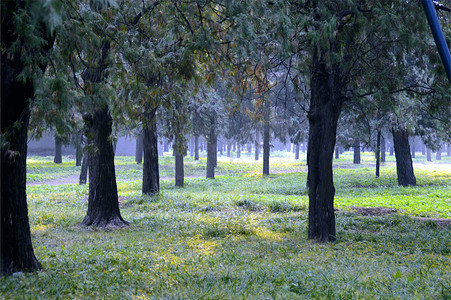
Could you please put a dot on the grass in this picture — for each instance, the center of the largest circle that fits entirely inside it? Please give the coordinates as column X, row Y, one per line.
column 241, row 236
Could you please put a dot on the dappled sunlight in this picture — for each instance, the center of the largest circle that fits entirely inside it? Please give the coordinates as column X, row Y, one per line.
column 202, row 246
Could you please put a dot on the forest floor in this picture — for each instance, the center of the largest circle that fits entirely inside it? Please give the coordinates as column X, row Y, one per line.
column 241, row 235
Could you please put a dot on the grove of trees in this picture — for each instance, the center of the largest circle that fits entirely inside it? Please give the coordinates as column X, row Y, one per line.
column 228, row 72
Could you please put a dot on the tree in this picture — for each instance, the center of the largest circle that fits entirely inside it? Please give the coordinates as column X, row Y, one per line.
column 26, row 39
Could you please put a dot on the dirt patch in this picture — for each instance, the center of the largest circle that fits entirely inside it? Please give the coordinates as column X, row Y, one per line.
column 374, row 211
column 440, row 222
column 382, row 211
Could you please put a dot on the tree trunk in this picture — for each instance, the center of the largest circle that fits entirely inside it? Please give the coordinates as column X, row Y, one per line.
column 238, row 150
column 196, row 147
column 58, row 158
column 212, row 142
column 404, row 166
column 103, row 205
column 423, row 149
column 357, row 151
column 179, row 170
column 428, row 154
column 84, row 168
column 392, row 148
column 412, row 147
column 16, row 249
column 229, row 148
column 296, row 152
column 139, row 149
column 448, row 150
column 151, row 171
column 378, row 153
column 249, row 147
column 165, row 145
column 337, row 152
column 325, row 107
column 288, row 147
column 382, row 148
column 78, row 153
column 257, row 145
column 266, row 146
column 438, row 156
column 191, row 146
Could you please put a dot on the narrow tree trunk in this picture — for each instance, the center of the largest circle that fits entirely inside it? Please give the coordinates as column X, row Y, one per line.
column 238, row 151
column 165, row 145
column 191, row 146
column 382, row 148
column 78, row 156
column 412, row 147
column 428, row 154
column 103, row 205
column 448, row 150
column 423, row 149
column 58, row 158
column 337, row 152
column 196, row 147
column 229, row 148
column 139, row 149
column 266, row 147
column 234, row 146
column 179, row 168
column 356, row 151
column 84, row 168
column 325, row 107
column 151, row 171
column 296, row 151
column 212, row 144
column 378, row 153
column 392, row 148
column 438, row 156
column 249, row 147
column 404, row 166
column 257, row 145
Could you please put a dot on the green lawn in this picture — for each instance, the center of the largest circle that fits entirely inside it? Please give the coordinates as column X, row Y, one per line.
column 241, row 236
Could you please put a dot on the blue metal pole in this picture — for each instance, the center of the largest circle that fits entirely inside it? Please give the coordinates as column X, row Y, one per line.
column 438, row 36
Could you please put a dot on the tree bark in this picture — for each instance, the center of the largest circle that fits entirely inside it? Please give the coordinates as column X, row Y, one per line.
column 412, row 147
column 84, row 168
column 229, row 147
column 257, row 145
column 139, row 149
column 337, row 152
column 325, row 108
column 404, row 166
column 196, row 147
column 58, row 158
column 16, row 250
column 392, row 148
column 212, row 142
column 238, row 150
column 296, row 151
column 165, row 145
column 179, row 170
column 438, row 155
column 356, row 151
column 151, row 171
column 103, row 205
column 378, row 153
column 266, row 145
column 382, row 148
column 428, row 154
column 78, row 155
